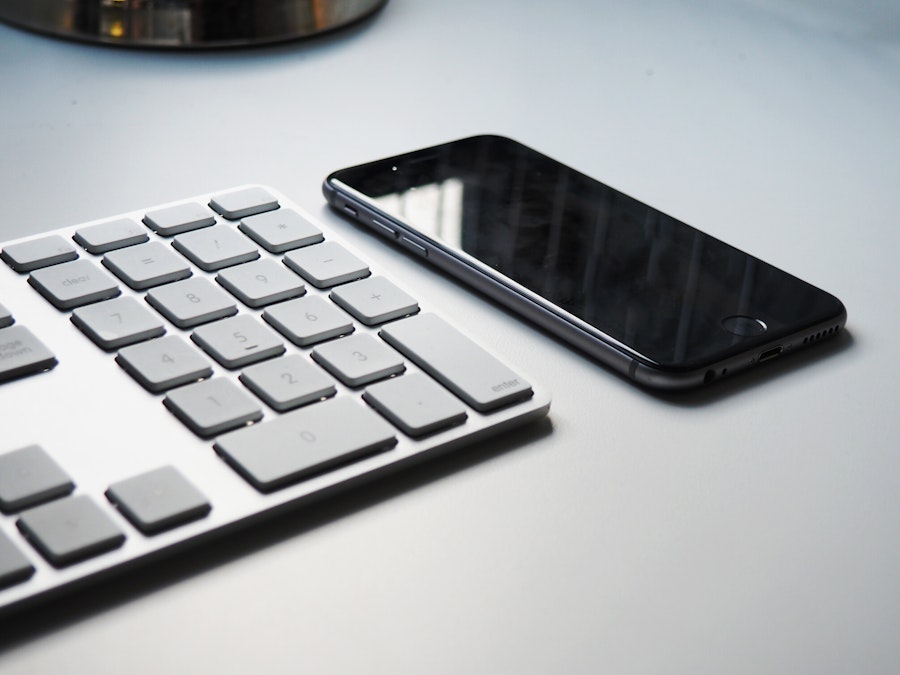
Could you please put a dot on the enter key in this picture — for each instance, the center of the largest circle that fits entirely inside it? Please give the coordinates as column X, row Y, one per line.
column 477, row 377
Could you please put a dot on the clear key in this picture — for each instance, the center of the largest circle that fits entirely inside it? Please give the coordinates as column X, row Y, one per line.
column 73, row 284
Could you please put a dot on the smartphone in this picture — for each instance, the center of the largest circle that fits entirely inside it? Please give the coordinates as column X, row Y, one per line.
column 642, row 292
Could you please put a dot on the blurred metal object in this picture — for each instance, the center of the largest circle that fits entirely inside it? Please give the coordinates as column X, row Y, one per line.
column 185, row 23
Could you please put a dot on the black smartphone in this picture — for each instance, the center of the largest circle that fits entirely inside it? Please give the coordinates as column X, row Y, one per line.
column 648, row 295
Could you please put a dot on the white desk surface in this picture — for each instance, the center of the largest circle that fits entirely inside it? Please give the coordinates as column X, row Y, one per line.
column 754, row 528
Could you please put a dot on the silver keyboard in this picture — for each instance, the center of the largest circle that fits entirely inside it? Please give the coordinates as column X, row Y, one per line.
column 170, row 373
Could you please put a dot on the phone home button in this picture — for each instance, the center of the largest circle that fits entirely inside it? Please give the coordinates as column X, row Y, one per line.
column 745, row 326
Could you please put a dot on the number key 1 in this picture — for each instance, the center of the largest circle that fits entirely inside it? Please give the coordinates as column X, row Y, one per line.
column 213, row 406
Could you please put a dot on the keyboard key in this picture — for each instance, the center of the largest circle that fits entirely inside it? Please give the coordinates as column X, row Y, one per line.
column 21, row 354
column 213, row 406
column 245, row 202
column 158, row 500
column 326, row 264
column 37, row 253
column 177, row 219
column 191, row 302
column 6, row 317
column 238, row 341
column 164, row 363
column 305, row 442
column 281, row 230
column 374, row 300
column 288, row 382
column 73, row 284
column 358, row 359
column 109, row 236
column 216, row 247
column 147, row 265
column 415, row 403
column 14, row 566
column 457, row 362
column 306, row 321
column 115, row 323
column 69, row 530
column 261, row 283
column 29, row 476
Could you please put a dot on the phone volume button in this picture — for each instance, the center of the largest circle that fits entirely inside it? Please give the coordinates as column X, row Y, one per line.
column 414, row 246
column 384, row 229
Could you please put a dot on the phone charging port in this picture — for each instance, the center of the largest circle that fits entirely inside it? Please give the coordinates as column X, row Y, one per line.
column 771, row 353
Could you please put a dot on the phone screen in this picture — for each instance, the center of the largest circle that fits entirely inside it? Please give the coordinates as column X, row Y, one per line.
column 673, row 295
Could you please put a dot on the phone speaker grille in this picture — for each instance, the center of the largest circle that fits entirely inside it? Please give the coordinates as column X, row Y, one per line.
column 821, row 334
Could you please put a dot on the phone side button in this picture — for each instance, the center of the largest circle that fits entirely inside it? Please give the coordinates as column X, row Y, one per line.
column 386, row 230
column 415, row 247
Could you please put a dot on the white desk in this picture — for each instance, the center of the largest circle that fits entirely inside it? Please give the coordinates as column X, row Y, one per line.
column 750, row 529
